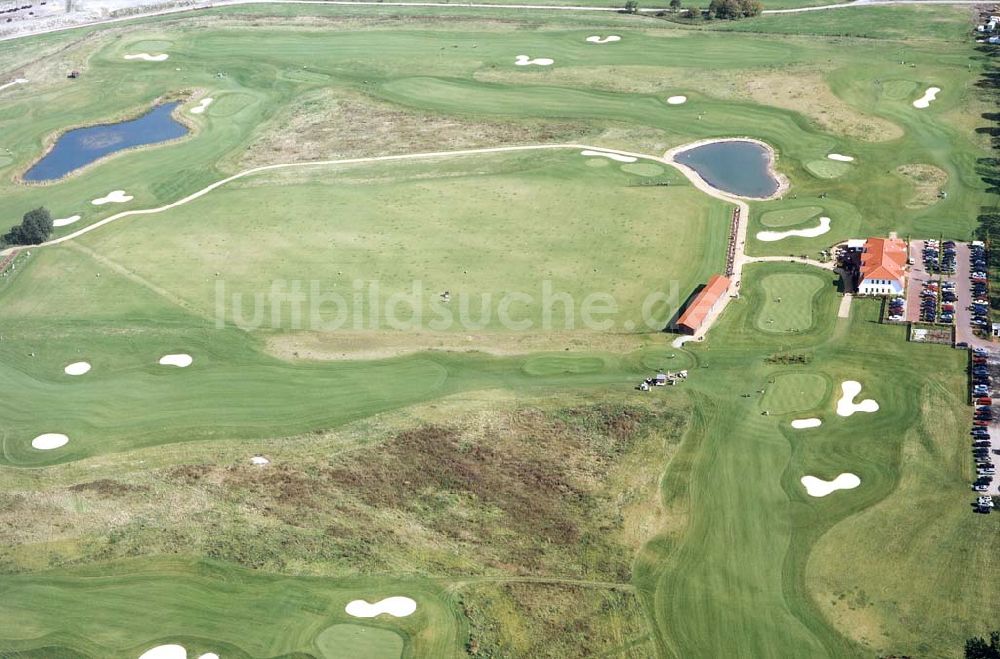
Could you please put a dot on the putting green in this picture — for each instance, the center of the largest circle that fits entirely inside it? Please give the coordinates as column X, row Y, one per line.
column 350, row 641
column 788, row 302
column 787, row 217
column 795, row 392
column 898, row 90
column 827, row 168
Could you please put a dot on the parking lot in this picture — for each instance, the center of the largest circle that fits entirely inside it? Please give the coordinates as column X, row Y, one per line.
column 932, row 289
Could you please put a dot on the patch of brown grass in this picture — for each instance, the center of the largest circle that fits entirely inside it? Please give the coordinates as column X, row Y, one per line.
column 927, row 181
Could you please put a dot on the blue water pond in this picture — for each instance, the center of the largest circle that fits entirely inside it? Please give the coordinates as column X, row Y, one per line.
column 738, row 167
column 82, row 146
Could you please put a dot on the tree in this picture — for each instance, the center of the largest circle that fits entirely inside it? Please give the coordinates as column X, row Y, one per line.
column 631, row 7
column 35, row 228
column 734, row 9
column 977, row 647
column 675, row 4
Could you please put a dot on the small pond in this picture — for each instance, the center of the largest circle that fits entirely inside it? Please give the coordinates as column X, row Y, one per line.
column 738, row 167
column 82, row 146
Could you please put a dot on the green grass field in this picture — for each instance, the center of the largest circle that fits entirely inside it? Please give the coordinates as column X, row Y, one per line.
column 508, row 477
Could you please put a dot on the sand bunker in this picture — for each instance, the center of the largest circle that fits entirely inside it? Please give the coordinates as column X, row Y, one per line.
column 259, row 460
column 399, row 607
column 65, row 220
column 209, row 655
column 771, row 236
column 180, row 360
column 146, row 57
column 817, row 487
column 205, row 102
column 926, row 99
column 840, row 157
column 614, row 156
column 524, row 60
column 49, row 441
column 113, row 197
column 171, row 651
column 846, row 405
column 610, row 39
column 800, row 424
column 677, row 100
column 15, row 81
column 77, row 368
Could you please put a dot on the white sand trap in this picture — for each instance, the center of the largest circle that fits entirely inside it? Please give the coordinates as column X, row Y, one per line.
column 771, row 236
column 113, row 197
column 610, row 39
column 817, row 487
column 49, row 441
column 61, row 222
column 800, row 424
column 846, row 405
column 171, row 651
column 840, row 157
column 180, row 360
column 926, row 99
column 524, row 60
column 677, row 100
column 259, row 460
column 15, row 81
column 205, row 102
column 77, row 368
column 208, row 655
column 394, row 606
column 614, row 156
column 146, row 57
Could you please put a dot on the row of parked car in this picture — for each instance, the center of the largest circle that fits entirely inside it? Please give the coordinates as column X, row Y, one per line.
column 982, row 417
column 979, row 283
column 931, row 293
column 940, row 257
column 897, row 309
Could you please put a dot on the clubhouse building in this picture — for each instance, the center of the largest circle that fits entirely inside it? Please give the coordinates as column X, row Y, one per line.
column 883, row 267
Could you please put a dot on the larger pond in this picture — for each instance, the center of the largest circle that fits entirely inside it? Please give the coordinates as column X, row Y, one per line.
column 82, row 146
column 738, row 167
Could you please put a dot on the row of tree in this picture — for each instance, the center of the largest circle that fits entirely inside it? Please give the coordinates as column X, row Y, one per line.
column 724, row 9
column 35, row 228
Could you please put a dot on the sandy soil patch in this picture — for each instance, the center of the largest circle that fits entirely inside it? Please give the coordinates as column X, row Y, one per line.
column 399, row 607
column 77, row 368
column 846, row 405
column 180, row 360
column 844, row 310
column 208, row 655
column 524, row 60
column 800, row 424
column 609, row 39
column 926, row 99
column 202, row 106
column 817, row 487
column 113, row 197
column 146, row 57
column 15, row 81
column 49, row 441
column 927, row 181
column 840, row 157
column 614, row 156
column 812, row 232
column 64, row 221
column 170, row 651
column 259, row 460
column 677, row 100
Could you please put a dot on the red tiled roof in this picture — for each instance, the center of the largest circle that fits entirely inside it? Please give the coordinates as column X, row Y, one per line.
column 698, row 310
column 884, row 258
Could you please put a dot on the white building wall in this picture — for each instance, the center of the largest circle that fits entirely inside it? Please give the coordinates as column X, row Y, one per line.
column 879, row 287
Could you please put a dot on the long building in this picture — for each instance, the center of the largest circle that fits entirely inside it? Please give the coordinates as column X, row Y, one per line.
column 704, row 303
column 883, row 267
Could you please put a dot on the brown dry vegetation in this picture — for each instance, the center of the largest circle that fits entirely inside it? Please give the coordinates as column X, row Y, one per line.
column 327, row 125
column 554, row 620
column 553, row 491
column 927, row 181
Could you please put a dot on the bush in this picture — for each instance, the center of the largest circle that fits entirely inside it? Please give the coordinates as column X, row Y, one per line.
column 35, row 228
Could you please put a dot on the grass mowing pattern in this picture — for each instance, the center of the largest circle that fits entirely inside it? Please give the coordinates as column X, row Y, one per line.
column 359, row 641
column 789, row 217
column 795, row 392
column 789, row 301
